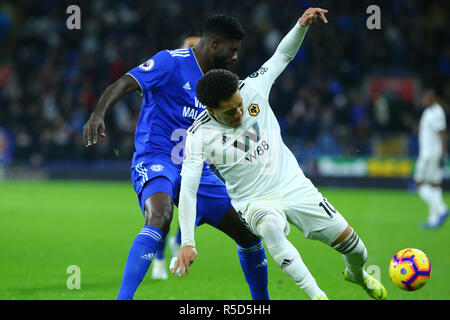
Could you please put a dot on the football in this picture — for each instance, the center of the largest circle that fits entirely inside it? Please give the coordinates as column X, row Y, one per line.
column 410, row 269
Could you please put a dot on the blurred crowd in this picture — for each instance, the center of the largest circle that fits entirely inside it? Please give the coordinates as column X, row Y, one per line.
column 52, row 77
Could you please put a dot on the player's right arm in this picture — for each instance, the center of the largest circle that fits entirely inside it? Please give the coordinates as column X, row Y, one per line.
column 146, row 77
column 96, row 124
column 191, row 173
column 286, row 51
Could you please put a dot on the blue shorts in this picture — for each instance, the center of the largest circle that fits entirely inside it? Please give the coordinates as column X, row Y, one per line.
column 156, row 174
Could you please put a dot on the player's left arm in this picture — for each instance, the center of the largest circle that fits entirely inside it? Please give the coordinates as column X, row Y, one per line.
column 286, row 51
column 191, row 173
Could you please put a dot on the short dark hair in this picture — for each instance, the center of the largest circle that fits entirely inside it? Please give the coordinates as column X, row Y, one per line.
column 222, row 25
column 215, row 86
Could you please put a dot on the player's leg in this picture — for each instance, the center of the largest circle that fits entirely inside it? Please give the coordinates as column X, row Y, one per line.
column 251, row 253
column 157, row 204
column 307, row 209
column 341, row 237
column 424, row 172
column 354, row 254
column 442, row 212
column 175, row 243
column 426, row 193
column 271, row 227
column 440, row 209
column 159, row 265
column 214, row 208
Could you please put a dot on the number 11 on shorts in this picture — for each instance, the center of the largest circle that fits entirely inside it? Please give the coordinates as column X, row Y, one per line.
column 329, row 209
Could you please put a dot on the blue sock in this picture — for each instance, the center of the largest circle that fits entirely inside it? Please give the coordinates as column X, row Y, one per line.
column 161, row 247
column 254, row 264
column 178, row 238
column 139, row 259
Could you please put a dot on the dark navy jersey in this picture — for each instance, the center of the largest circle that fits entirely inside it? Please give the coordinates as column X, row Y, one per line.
column 167, row 82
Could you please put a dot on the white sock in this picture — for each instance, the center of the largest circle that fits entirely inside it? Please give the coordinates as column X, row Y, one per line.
column 429, row 195
column 286, row 255
column 438, row 201
column 354, row 254
column 426, row 193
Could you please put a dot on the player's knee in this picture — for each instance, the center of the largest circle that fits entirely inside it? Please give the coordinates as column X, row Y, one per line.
column 159, row 213
column 245, row 237
column 271, row 229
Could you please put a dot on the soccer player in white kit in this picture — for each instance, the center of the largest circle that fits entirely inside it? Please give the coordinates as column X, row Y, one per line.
column 240, row 135
column 430, row 163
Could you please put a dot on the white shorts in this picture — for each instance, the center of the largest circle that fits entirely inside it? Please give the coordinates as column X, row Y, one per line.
column 303, row 206
column 428, row 170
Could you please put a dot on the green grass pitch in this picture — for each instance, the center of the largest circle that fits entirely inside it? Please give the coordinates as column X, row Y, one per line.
column 47, row 226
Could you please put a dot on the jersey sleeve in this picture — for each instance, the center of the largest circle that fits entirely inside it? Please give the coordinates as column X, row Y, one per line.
column 154, row 73
column 191, row 173
column 263, row 79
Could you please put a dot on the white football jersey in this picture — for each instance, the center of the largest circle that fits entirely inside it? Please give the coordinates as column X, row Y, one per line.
column 431, row 122
column 252, row 158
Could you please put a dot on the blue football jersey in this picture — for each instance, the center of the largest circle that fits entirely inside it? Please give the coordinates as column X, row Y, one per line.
column 167, row 82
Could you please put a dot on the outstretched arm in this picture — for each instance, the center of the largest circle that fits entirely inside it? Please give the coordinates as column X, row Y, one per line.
column 191, row 173
column 96, row 125
column 286, row 50
column 149, row 76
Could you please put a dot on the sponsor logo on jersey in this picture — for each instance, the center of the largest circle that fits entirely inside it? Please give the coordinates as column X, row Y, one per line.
column 157, row 168
column 261, row 71
column 190, row 112
column 253, row 109
column 148, row 65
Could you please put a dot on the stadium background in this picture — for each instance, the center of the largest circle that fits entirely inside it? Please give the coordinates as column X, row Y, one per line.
column 348, row 104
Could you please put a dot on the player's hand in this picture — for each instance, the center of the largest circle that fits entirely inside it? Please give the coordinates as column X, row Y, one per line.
column 310, row 16
column 185, row 259
column 92, row 129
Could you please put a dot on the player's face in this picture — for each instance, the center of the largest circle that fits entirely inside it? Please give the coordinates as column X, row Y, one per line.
column 230, row 111
column 226, row 53
column 427, row 98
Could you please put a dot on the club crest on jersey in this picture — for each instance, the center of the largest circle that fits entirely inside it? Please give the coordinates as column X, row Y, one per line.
column 253, row 109
column 148, row 65
column 157, row 168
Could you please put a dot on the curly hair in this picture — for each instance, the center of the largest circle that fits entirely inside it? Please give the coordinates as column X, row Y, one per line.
column 215, row 86
column 221, row 25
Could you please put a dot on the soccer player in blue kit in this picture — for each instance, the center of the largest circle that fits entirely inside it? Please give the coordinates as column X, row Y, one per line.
column 167, row 82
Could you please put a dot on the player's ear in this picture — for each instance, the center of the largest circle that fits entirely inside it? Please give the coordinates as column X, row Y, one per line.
column 214, row 43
